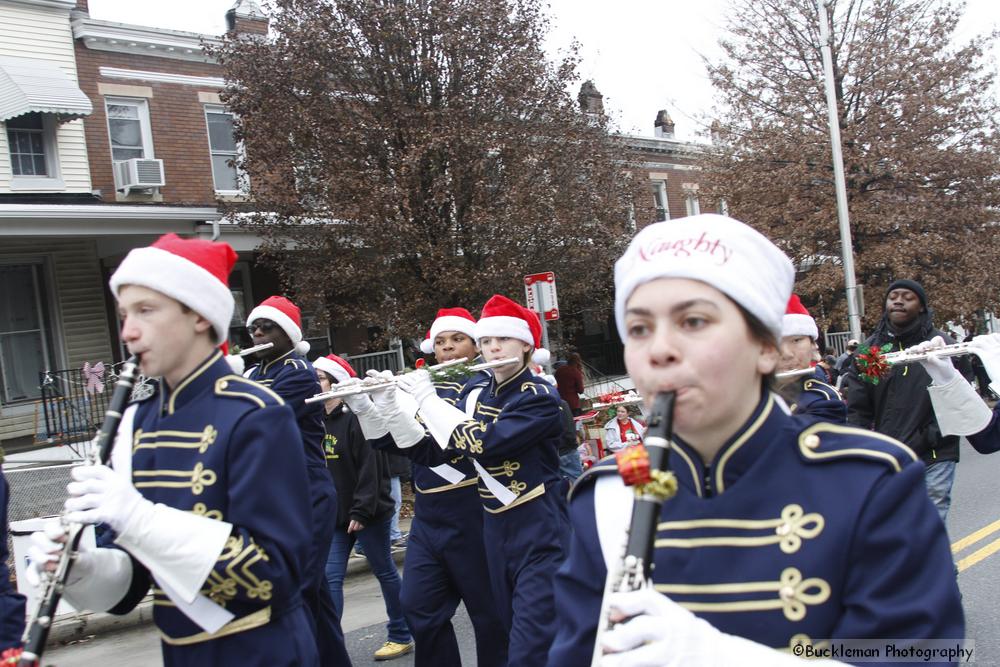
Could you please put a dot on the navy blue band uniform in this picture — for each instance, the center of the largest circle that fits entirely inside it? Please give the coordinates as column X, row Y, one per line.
column 514, row 434
column 293, row 378
column 814, row 396
column 226, row 448
column 830, row 525
column 446, row 557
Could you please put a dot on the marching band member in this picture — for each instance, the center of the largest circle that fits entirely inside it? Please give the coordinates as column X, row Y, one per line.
column 509, row 426
column 11, row 602
column 811, row 394
column 622, row 430
column 784, row 530
column 445, row 555
column 959, row 410
column 364, row 508
column 284, row 369
column 208, row 505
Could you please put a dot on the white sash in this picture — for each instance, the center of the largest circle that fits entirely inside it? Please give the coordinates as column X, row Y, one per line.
column 502, row 493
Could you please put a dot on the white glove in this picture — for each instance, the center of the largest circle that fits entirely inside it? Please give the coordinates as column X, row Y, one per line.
column 98, row 578
column 178, row 547
column 988, row 349
column 100, row 495
column 417, row 384
column 940, row 369
column 405, row 430
column 661, row 633
column 372, row 424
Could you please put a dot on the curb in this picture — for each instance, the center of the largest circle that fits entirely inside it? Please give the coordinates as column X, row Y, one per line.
column 82, row 625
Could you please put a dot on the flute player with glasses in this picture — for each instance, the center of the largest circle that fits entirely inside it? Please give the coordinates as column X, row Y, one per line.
column 785, row 532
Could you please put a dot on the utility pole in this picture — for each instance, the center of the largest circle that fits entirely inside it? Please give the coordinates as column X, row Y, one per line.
column 854, row 302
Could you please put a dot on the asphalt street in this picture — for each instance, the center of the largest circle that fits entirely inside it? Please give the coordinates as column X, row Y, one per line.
column 974, row 527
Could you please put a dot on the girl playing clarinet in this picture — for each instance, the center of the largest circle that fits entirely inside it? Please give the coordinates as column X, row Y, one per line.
column 785, row 531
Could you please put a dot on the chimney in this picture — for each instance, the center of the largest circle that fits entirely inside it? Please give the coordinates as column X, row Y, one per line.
column 715, row 131
column 81, row 6
column 591, row 100
column 246, row 17
column 664, row 125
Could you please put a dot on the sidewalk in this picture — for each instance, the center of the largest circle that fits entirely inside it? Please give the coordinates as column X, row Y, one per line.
column 78, row 626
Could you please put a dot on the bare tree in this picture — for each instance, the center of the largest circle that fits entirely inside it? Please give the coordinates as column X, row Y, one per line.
column 411, row 154
column 918, row 120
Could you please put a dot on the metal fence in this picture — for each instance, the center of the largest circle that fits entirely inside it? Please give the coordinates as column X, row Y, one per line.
column 72, row 409
column 836, row 343
column 390, row 360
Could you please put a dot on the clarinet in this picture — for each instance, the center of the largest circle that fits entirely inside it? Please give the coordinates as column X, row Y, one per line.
column 644, row 467
column 37, row 630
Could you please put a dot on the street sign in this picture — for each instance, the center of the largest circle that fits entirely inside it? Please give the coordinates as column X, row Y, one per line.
column 540, row 293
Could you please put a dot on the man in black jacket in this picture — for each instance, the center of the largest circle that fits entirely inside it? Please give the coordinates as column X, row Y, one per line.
column 899, row 405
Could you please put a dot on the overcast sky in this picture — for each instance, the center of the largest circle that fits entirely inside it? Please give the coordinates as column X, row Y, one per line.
column 644, row 55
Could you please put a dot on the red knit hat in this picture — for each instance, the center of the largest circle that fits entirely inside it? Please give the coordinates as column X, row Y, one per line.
column 195, row 272
column 797, row 321
column 336, row 367
column 449, row 319
column 286, row 315
column 503, row 317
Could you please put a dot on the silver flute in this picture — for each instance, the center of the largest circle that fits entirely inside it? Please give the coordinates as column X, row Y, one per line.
column 352, row 389
column 255, row 348
column 903, row 357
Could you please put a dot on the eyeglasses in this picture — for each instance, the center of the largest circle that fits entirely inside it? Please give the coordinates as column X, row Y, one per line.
column 266, row 326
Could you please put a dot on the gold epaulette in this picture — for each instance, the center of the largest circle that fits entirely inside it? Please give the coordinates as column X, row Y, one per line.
column 235, row 386
column 535, row 386
column 298, row 364
column 820, row 387
column 823, row 442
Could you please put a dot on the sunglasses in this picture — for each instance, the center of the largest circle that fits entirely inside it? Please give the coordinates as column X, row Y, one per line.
column 265, row 326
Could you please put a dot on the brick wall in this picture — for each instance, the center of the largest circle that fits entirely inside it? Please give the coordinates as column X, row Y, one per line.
column 177, row 120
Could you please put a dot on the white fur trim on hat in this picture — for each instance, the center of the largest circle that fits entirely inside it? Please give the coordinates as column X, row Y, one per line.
column 505, row 326
column 797, row 324
column 717, row 250
column 291, row 329
column 541, row 356
column 332, row 368
column 447, row 323
column 236, row 363
column 180, row 279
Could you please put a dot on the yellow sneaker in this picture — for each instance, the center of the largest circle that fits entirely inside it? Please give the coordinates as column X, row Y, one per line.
column 392, row 650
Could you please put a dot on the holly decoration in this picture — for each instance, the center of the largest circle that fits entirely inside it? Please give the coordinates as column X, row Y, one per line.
column 612, row 397
column 11, row 656
column 870, row 362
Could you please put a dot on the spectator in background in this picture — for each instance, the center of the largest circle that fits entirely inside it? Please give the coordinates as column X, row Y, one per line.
column 827, row 365
column 845, row 361
column 569, row 378
column 623, row 430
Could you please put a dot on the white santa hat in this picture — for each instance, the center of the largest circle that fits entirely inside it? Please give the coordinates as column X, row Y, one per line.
column 503, row 317
column 449, row 319
column 797, row 321
column 286, row 315
column 336, row 367
column 194, row 272
column 714, row 249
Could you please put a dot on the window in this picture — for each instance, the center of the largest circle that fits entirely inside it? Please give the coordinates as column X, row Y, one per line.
column 660, row 200
column 25, row 348
column 27, row 140
column 224, row 150
column 128, row 127
column 691, row 198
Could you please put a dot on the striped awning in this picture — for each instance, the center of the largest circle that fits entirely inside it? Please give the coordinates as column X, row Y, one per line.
column 28, row 85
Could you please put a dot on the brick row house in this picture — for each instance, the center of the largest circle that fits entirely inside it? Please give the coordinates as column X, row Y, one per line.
column 110, row 135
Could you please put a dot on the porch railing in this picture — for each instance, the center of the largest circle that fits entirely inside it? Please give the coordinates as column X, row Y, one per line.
column 391, row 360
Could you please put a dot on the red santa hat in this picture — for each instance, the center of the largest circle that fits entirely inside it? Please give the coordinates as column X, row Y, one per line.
column 449, row 319
column 194, row 272
column 503, row 317
column 336, row 367
column 286, row 315
column 717, row 250
column 797, row 320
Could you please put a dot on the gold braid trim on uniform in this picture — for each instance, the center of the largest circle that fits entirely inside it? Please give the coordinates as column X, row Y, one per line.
column 200, row 440
column 467, row 436
column 242, row 557
column 801, row 640
column 199, row 478
column 447, row 487
column 523, row 498
column 249, row 622
column 201, row 509
column 506, row 470
column 794, row 594
column 787, row 532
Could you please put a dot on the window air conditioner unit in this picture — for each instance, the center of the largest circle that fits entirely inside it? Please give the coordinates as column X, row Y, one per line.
column 139, row 174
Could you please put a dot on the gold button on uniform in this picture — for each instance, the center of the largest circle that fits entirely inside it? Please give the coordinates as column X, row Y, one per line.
column 811, row 441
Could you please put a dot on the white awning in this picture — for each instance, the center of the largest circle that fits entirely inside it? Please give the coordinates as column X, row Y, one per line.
column 28, row 85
